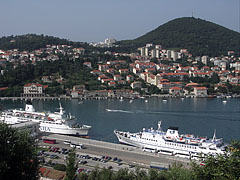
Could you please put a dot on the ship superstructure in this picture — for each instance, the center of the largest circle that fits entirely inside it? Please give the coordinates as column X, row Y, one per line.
column 171, row 142
column 57, row 122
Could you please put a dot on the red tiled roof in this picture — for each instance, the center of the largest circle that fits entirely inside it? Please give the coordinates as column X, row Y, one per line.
column 30, row 84
column 175, row 88
column 3, row 88
column 200, row 88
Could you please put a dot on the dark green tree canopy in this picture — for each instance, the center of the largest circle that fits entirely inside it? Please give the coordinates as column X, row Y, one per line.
column 17, row 158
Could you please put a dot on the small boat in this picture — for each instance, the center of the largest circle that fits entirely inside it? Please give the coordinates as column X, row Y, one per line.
column 131, row 101
column 146, row 101
column 80, row 102
column 164, row 100
column 224, row 101
column 121, row 98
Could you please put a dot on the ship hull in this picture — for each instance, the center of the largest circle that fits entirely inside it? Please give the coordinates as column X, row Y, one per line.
column 65, row 130
column 163, row 146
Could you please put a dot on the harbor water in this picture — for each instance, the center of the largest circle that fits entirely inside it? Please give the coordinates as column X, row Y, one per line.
column 198, row 116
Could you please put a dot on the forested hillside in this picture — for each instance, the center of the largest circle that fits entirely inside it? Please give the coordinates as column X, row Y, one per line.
column 200, row 37
column 31, row 42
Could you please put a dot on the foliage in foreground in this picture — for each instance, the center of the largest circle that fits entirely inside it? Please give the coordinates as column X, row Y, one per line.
column 17, row 157
column 223, row 167
column 71, row 165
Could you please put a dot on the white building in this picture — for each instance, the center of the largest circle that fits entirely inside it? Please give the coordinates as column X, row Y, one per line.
column 200, row 91
column 205, row 60
column 33, row 90
column 110, row 41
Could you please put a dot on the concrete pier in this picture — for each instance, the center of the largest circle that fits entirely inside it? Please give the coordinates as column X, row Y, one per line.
column 127, row 153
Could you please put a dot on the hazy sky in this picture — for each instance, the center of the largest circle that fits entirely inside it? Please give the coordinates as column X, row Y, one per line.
column 95, row 20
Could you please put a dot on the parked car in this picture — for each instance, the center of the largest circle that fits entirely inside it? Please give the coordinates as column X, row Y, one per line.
column 73, row 145
column 79, row 146
column 67, row 142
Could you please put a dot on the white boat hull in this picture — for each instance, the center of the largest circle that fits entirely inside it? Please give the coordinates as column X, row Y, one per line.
column 160, row 145
column 64, row 130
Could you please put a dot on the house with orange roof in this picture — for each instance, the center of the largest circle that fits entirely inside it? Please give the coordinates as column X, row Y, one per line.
column 201, row 74
column 205, row 68
column 137, row 71
column 88, row 64
column 112, row 84
column 192, row 85
column 33, row 90
column 129, row 78
column 102, row 77
column 117, row 77
column 103, row 67
column 224, row 73
column 165, row 86
column 51, row 174
column 184, row 69
column 234, row 80
column 151, row 70
column 175, row 91
column 96, row 72
column 46, row 79
column 180, row 75
column 144, row 75
column 3, row 88
column 123, row 71
column 111, row 70
column 116, row 62
column 107, row 80
column 200, row 91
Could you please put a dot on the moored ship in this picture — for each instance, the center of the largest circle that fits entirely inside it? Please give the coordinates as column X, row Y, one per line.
column 57, row 122
column 172, row 143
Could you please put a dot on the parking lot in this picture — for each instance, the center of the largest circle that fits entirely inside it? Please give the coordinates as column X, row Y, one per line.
column 129, row 156
column 57, row 153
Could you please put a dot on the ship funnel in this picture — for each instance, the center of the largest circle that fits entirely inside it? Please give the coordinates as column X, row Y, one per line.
column 61, row 109
column 29, row 107
column 214, row 136
column 159, row 125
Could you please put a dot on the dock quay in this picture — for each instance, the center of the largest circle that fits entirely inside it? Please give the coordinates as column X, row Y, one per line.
column 127, row 153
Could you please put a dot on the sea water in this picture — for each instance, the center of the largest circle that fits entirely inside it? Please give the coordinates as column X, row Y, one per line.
column 198, row 116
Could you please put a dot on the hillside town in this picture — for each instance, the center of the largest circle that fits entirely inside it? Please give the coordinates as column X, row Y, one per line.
column 150, row 70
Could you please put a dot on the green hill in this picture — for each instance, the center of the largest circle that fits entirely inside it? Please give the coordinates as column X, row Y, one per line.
column 200, row 37
column 32, row 42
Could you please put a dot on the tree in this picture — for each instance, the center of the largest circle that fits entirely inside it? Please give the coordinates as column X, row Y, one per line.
column 214, row 79
column 224, row 166
column 153, row 89
column 60, row 167
column 71, row 165
column 17, row 154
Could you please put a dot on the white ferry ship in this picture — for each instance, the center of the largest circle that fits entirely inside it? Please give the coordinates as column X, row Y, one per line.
column 172, row 143
column 57, row 122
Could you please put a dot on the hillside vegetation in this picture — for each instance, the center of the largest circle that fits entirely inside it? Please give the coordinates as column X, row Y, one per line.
column 200, row 37
column 31, row 42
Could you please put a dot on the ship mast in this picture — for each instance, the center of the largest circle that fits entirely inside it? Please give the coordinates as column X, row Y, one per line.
column 61, row 109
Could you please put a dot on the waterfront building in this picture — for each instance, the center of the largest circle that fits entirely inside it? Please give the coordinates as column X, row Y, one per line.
column 200, row 91
column 33, row 90
column 176, row 91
